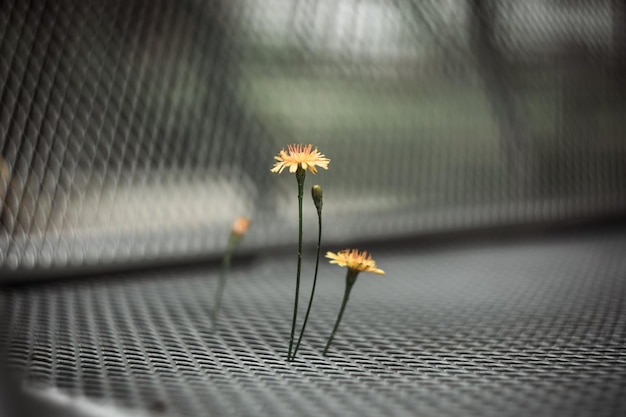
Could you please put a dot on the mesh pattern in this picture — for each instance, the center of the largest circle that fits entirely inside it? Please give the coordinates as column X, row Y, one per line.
column 534, row 328
column 120, row 124
column 136, row 130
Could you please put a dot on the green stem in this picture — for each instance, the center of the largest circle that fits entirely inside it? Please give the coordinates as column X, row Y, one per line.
column 300, row 175
column 350, row 280
column 317, row 263
column 232, row 244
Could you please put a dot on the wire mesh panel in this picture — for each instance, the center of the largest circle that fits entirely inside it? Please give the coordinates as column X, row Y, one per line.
column 497, row 329
column 138, row 130
column 120, row 130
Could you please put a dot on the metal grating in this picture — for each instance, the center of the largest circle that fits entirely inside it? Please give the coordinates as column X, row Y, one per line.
column 136, row 130
column 502, row 328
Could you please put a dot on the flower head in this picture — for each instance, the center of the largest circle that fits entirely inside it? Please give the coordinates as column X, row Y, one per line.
column 300, row 156
column 240, row 226
column 355, row 260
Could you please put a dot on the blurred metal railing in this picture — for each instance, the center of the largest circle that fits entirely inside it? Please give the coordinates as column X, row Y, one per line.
column 135, row 131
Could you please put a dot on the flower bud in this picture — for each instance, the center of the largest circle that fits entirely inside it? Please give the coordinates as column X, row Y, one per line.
column 318, row 196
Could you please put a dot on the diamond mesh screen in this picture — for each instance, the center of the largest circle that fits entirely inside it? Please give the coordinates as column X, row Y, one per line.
column 501, row 328
column 136, row 130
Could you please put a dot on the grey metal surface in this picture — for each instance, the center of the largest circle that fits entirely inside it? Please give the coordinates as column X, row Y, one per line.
column 135, row 131
column 495, row 328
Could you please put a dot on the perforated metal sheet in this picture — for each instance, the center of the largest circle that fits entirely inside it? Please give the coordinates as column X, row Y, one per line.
column 494, row 329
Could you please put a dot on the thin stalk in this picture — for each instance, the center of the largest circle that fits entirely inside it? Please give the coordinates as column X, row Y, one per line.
column 317, row 263
column 350, row 280
column 300, row 175
column 232, row 244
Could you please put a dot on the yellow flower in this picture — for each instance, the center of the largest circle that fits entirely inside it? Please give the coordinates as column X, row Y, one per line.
column 300, row 156
column 240, row 226
column 355, row 260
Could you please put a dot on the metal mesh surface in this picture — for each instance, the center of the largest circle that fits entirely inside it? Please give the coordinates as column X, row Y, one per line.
column 120, row 129
column 136, row 130
column 499, row 328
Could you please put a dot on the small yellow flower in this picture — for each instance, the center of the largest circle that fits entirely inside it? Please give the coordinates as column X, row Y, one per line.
column 355, row 260
column 240, row 226
column 300, row 156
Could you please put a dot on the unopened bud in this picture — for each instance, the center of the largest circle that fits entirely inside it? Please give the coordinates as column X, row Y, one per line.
column 318, row 196
column 240, row 226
